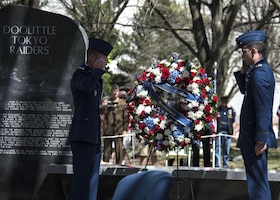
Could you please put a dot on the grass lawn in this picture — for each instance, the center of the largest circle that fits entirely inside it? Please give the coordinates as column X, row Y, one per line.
column 273, row 157
column 236, row 160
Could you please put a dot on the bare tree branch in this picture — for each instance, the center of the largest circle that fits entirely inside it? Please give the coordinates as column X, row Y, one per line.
column 172, row 29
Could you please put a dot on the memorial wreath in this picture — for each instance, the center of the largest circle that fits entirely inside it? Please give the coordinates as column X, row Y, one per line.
column 172, row 104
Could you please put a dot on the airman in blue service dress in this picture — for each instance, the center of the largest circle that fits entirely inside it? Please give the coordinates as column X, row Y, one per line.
column 256, row 132
column 84, row 136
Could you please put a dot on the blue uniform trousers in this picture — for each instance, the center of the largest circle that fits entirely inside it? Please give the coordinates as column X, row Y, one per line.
column 222, row 148
column 256, row 172
column 86, row 164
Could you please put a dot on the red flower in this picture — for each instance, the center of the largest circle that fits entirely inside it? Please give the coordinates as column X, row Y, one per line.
column 160, row 65
column 142, row 114
column 203, row 96
column 161, row 117
column 183, row 143
column 181, row 64
column 206, row 81
column 208, row 118
column 142, row 77
column 188, row 80
column 157, row 128
column 163, row 147
column 142, row 126
column 178, row 80
column 207, row 109
column 193, row 74
column 152, row 76
column 199, row 82
column 201, row 71
column 165, row 73
column 147, row 102
column 215, row 98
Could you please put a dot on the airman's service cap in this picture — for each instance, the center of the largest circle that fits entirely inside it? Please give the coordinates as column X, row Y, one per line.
column 251, row 36
column 100, row 46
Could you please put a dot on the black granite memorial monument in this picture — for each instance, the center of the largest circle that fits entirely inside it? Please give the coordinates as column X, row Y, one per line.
column 39, row 52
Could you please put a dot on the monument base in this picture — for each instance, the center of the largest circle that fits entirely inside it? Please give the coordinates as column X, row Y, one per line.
column 189, row 182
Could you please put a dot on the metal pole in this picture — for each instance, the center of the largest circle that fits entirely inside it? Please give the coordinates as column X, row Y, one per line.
column 213, row 154
column 219, row 150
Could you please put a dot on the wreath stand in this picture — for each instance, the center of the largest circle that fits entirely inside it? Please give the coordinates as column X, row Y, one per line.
column 177, row 172
column 183, row 179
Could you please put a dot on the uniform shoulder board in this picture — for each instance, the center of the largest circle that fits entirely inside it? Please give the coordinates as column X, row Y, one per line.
column 82, row 68
column 259, row 65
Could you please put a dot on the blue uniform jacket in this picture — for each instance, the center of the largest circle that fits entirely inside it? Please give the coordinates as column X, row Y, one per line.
column 256, row 112
column 86, row 87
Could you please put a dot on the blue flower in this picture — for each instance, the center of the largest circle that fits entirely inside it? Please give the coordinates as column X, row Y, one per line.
column 159, row 143
column 149, row 121
column 175, row 57
column 173, row 75
column 176, row 133
column 204, row 75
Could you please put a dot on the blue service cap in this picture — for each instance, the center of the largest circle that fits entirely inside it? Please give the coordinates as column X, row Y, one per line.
column 100, row 46
column 249, row 37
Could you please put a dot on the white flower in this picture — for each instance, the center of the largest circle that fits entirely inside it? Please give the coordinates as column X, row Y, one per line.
column 162, row 124
column 174, row 66
column 165, row 143
column 148, row 109
column 170, row 138
column 194, row 88
column 158, row 79
column 187, row 140
column 198, row 114
column 201, row 107
column 191, row 115
column 139, row 109
column 156, row 120
column 198, row 127
column 159, row 136
column 185, row 73
column 142, row 93
column 146, row 129
column 207, row 88
column 167, row 132
column 190, row 135
column 173, row 127
column 193, row 104
column 172, row 144
column 165, row 62
column 180, row 138
column 196, row 91
column 155, row 71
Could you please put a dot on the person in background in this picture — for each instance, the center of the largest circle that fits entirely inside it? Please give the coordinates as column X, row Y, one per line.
column 225, row 126
column 206, row 147
column 115, row 125
column 147, row 154
column 84, row 135
column 256, row 82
